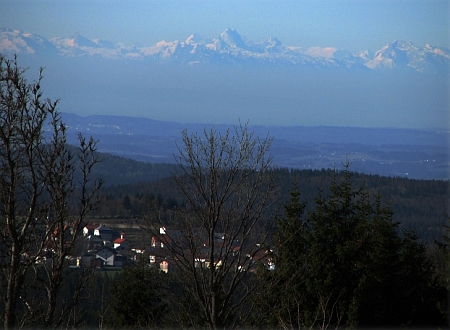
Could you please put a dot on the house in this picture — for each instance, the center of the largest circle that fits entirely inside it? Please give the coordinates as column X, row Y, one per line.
column 89, row 229
column 106, row 233
column 168, row 243
column 106, row 255
column 163, row 246
column 121, row 243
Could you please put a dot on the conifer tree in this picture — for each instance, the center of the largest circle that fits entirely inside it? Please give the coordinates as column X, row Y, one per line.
column 284, row 286
column 137, row 298
column 349, row 265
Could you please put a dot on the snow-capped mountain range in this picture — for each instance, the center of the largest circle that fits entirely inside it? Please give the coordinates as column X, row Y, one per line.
column 231, row 48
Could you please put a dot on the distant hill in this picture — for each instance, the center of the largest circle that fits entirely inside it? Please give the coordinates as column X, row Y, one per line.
column 116, row 170
column 417, row 154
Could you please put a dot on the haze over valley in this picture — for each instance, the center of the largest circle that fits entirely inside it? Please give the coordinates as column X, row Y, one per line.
column 408, row 153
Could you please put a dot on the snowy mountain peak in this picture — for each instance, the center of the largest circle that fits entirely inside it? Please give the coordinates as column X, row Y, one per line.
column 194, row 38
column 232, row 39
column 400, row 54
column 231, row 48
column 15, row 41
column 273, row 41
column 402, row 45
column 398, row 43
column 76, row 40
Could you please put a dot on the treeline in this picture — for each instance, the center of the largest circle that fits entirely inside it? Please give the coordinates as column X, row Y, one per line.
column 419, row 205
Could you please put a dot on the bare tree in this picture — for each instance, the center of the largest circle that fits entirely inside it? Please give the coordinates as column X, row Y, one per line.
column 217, row 239
column 39, row 189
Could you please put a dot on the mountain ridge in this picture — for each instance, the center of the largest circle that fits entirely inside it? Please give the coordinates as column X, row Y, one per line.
column 231, row 48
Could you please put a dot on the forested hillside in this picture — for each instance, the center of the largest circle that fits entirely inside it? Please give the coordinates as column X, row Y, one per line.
column 421, row 205
column 116, row 170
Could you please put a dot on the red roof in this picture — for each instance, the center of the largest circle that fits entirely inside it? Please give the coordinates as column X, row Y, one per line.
column 119, row 240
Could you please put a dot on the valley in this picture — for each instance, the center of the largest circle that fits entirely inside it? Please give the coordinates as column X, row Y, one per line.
column 415, row 154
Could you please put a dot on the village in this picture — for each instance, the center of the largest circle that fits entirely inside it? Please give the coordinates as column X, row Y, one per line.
column 110, row 247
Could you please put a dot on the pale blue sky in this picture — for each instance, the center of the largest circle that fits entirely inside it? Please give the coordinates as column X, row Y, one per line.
column 277, row 97
column 354, row 25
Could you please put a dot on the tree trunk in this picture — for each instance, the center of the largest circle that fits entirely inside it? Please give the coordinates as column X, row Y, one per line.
column 14, row 283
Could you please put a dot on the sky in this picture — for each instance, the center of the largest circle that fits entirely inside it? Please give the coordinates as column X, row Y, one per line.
column 278, row 98
column 349, row 24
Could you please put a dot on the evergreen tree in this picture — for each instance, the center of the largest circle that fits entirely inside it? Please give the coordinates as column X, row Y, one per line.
column 137, row 298
column 337, row 225
column 126, row 203
column 346, row 264
column 445, row 251
column 284, row 287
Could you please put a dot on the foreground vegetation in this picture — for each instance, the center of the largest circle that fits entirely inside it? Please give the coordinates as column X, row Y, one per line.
column 341, row 262
column 248, row 245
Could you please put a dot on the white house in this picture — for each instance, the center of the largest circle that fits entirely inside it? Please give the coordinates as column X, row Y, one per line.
column 107, row 256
